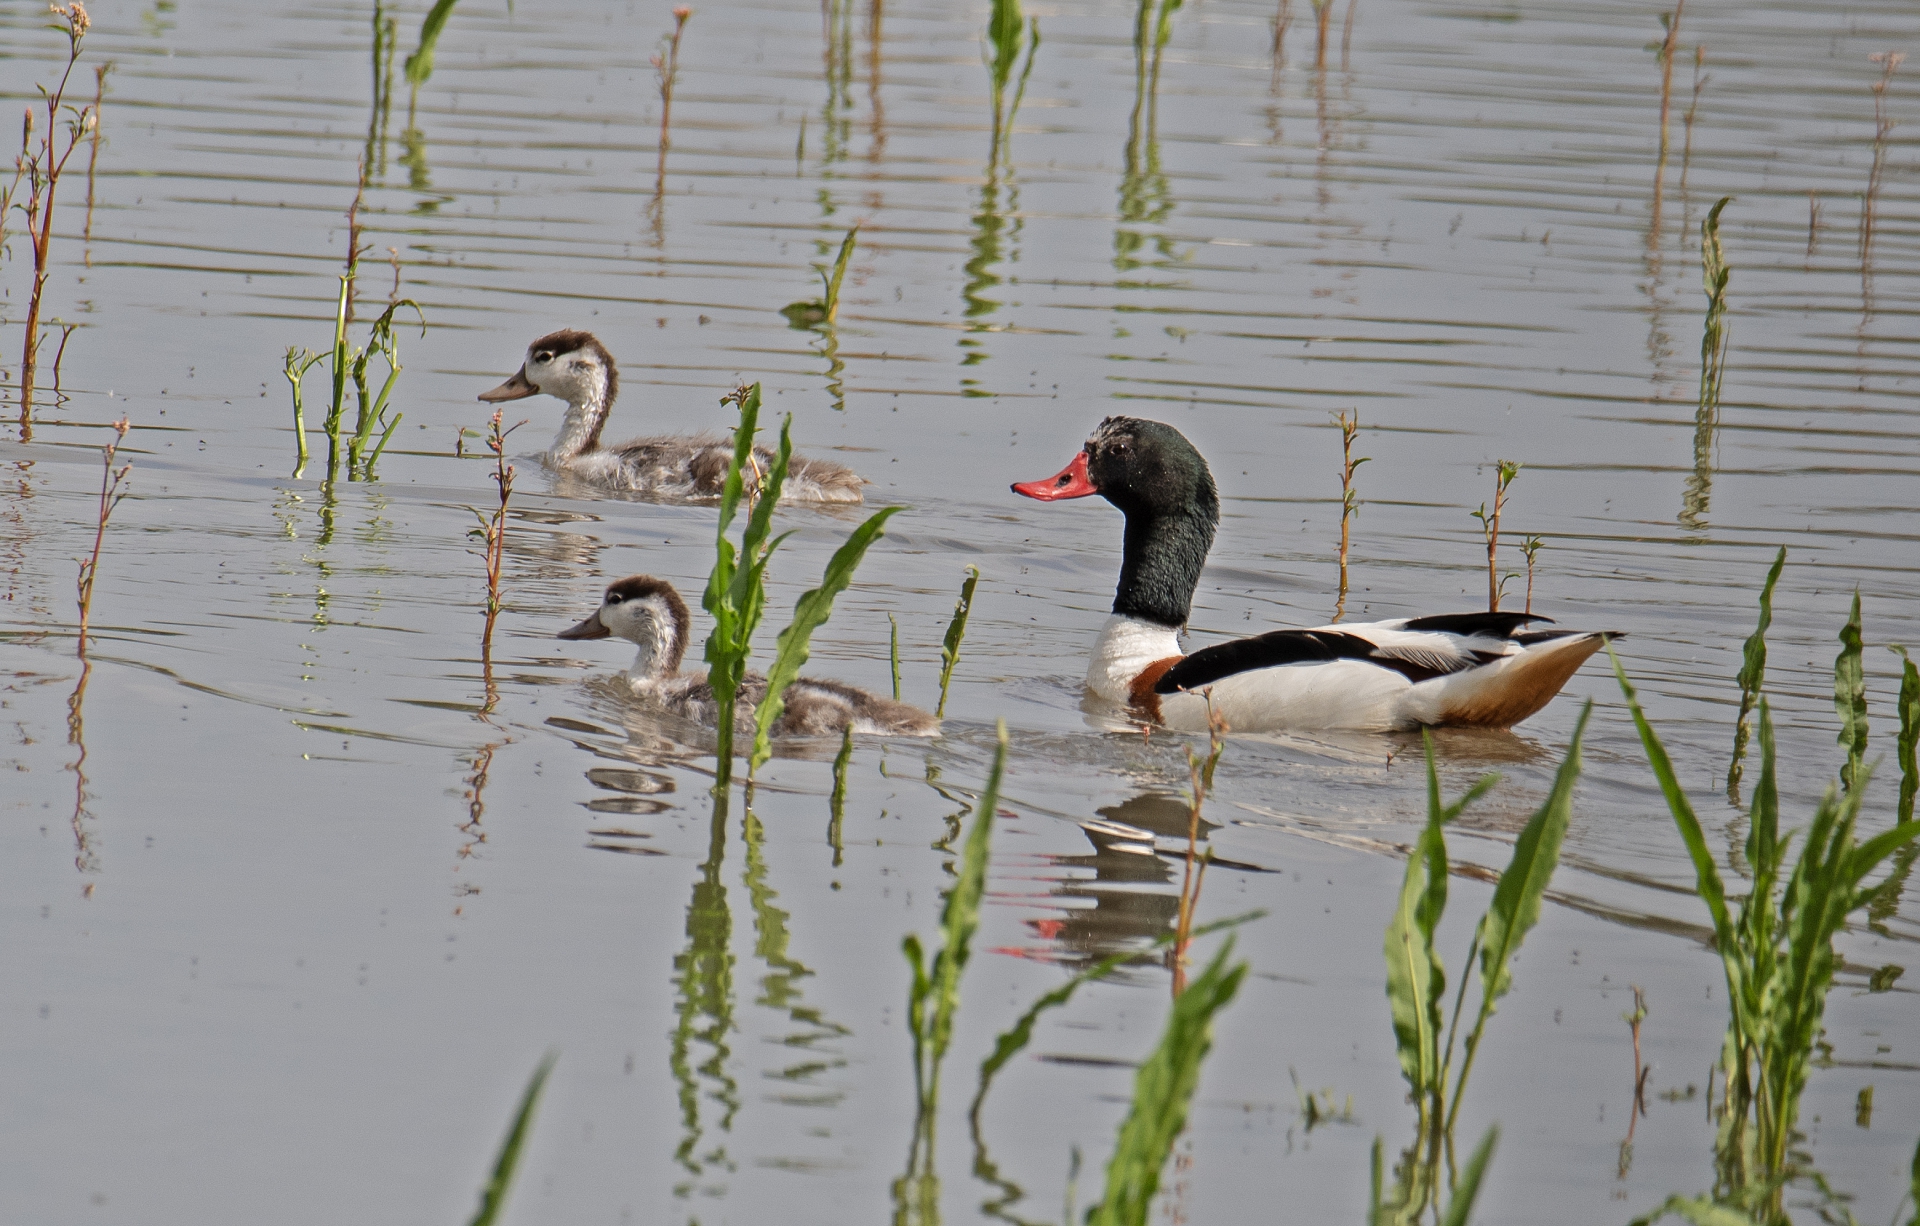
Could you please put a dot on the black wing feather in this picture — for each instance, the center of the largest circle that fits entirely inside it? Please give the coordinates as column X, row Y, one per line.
column 1487, row 625
column 1277, row 647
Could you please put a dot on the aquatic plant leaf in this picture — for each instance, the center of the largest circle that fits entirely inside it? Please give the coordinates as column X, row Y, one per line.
column 1460, row 1208
column 1908, row 741
column 956, row 631
column 1416, row 977
column 1536, row 853
column 1850, row 695
column 1699, row 1210
column 419, row 65
column 1753, row 672
column 1162, row 1092
column 1913, row 1190
column 810, row 613
column 960, row 918
column 735, row 595
column 493, row 1197
column 1012, row 1041
column 1706, row 874
column 1005, row 27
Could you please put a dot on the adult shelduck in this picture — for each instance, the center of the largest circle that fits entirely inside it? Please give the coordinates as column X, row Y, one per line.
column 576, row 367
column 648, row 613
column 1483, row 669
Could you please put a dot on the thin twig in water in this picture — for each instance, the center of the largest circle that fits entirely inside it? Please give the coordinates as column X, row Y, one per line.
column 1349, row 501
column 1200, row 777
column 111, row 492
column 1504, row 474
column 1665, row 51
column 667, row 63
column 1281, row 20
column 93, row 156
column 1530, row 547
column 493, row 532
column 42, row 167
column 1882, row 128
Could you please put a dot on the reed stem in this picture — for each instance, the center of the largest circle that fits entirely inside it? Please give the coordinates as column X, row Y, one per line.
column 111, row 492
column 42, row 169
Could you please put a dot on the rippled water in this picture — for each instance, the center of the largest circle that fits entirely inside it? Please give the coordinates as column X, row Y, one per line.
column 289, row 948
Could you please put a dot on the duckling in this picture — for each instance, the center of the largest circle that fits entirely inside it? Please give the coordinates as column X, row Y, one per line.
column 648, row 612
column 575, row 367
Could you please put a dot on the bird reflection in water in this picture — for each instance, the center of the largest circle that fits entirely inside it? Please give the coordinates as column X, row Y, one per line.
column 1131, row 880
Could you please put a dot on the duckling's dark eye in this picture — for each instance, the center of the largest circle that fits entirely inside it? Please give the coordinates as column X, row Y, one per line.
column 543, row 356
column 614, row 598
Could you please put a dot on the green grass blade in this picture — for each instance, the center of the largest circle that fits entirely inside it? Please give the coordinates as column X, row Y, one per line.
column 1850, row 695
column 961, row 916
column 1012, row 1041
column 1536, row 853
column 810, row 613
column 956, row 631
column 1706, row 874
column 893, row 653
column 837, row 806
column 1460, row 1208
column 1753, row 671
column 1162, row 1092
column 1913, row 1189
column 494, row 1196
column 1516, row 900
column 1005, row 27
column 1416, row 977
column 419, row 65
column 1699, row 1210
column 831, row 303
column 1909, row 739
column 1869, row 854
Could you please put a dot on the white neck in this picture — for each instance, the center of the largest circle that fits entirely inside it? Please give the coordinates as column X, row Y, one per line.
column 585, row 411
column 656, row 652
column 1126, row 646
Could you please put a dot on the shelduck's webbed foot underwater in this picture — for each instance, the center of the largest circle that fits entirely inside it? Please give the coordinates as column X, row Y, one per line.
column 575, row 367
column 650, row 614
column 1488, row 670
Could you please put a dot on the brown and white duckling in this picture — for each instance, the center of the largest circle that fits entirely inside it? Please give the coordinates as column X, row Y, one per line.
column 647, row 612
column 575, row 367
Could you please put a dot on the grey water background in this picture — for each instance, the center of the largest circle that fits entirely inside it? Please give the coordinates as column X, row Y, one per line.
column 291, row 950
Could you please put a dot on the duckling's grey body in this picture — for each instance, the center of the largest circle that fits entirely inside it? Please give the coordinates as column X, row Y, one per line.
column 575, row 367
column 649, row 613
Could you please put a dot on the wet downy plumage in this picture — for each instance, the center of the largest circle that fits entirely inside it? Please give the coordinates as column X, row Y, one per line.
column 1482, row 669
column 575, row 367
column 648, row 613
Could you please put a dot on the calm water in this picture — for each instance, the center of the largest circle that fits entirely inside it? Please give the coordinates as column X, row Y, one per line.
column 289, row 949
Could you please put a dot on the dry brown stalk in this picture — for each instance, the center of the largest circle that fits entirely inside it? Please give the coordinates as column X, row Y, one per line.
column 93, row 156
column 111, row 492
column 1322, row 14
column 1672, row 22
column 1504, row 474
column 1882, row 128
column 1281, row 20
column 1200, row 775
column 493, row 531
column 1346, row 33
column 1349, row 501
column 667, row 64
column 1530, row 547
column 42, row 168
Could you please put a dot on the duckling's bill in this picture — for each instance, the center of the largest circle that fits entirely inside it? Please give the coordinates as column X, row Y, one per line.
column 515, row 388
column 591, row 628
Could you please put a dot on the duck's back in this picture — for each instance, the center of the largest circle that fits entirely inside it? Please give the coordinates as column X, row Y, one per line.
column 694, row 466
